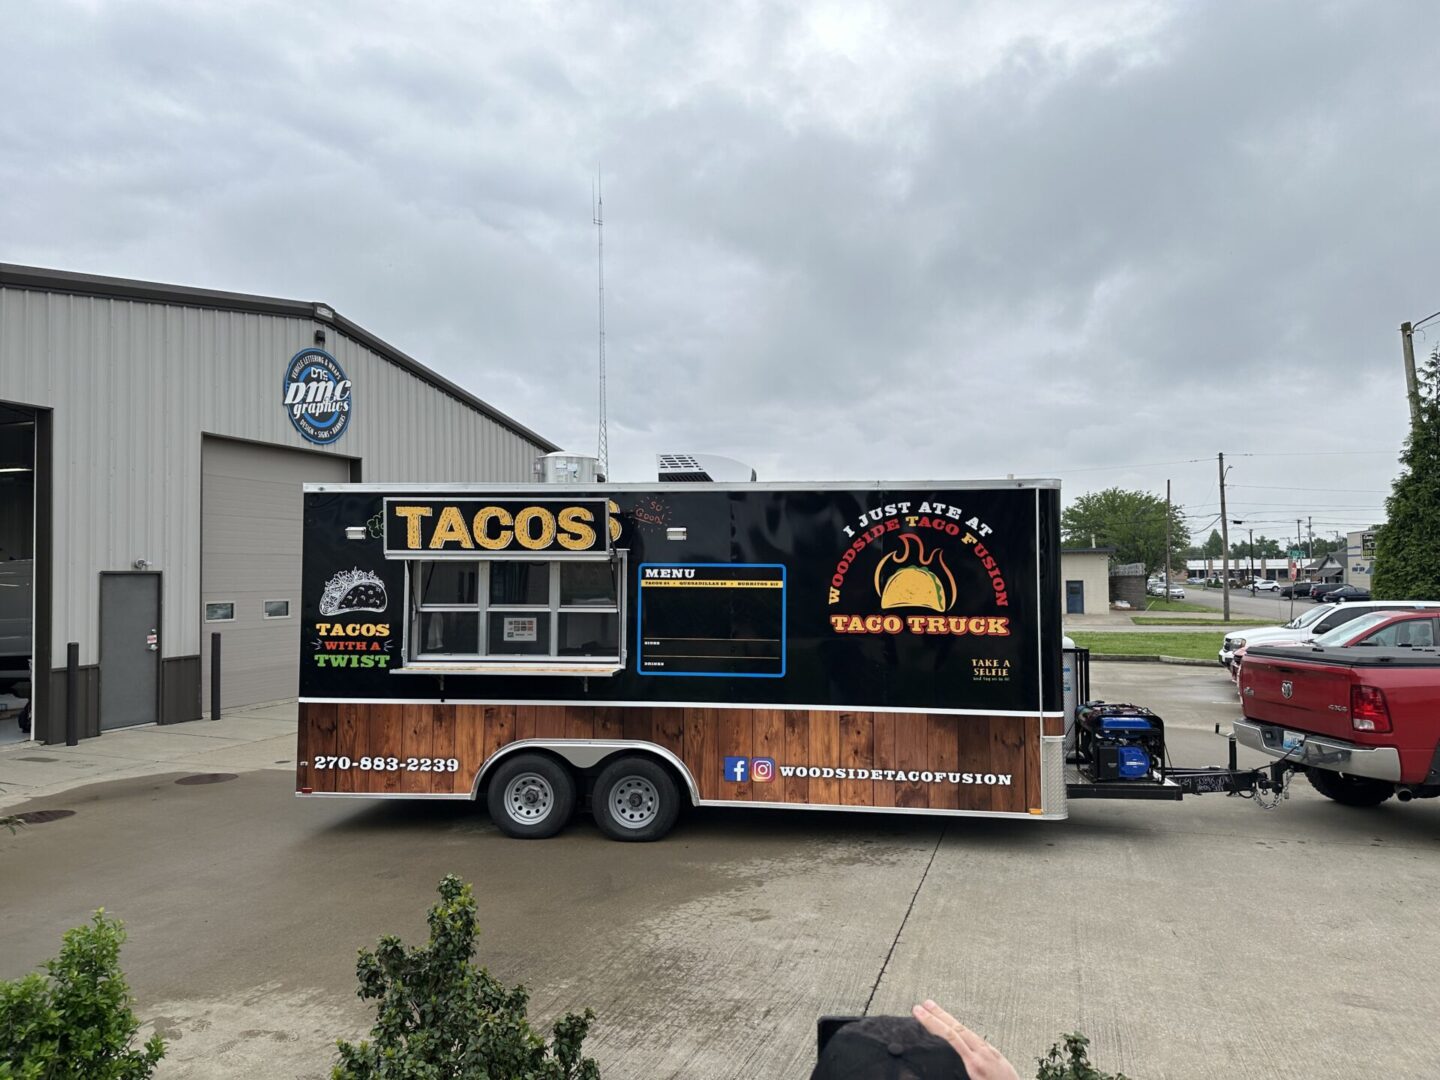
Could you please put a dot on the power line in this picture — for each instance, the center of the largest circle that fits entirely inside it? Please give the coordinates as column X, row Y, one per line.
column 1287, row 487
column 1311, row 453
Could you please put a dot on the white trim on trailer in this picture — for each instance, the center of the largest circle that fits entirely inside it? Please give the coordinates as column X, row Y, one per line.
column 451, row 796
column 586, row 754
column 1026, row 713
column 481, row 490
column 1040, row 653
column 929, row 811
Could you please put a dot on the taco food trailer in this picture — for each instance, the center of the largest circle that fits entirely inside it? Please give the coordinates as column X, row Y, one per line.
column 885, row 648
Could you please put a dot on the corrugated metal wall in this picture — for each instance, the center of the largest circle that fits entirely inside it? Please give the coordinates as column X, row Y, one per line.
column 133, row 385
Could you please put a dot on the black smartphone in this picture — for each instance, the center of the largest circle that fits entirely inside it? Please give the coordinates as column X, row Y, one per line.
column 827, row 1026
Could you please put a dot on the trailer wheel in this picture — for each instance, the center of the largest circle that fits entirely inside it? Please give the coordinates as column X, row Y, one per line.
column 1349, row 790
column 530, row 796
column 635, row 799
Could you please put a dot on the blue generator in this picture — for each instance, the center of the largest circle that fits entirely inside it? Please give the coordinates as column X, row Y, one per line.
column 1119, row 742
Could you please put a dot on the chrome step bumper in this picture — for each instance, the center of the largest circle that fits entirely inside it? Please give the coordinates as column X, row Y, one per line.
column 1322, row 752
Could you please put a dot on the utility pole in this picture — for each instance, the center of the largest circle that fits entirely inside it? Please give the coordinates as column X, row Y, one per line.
column 1225, row 546
column 1412, row 388
column 1167, row 541
column 1310, row 534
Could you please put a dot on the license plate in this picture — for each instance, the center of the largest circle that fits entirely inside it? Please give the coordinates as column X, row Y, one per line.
column 1292, row 740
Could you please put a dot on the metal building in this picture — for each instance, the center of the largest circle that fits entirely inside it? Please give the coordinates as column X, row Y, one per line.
column 153, row 443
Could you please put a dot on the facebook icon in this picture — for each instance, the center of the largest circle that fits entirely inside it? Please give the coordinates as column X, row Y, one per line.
column 736, row 768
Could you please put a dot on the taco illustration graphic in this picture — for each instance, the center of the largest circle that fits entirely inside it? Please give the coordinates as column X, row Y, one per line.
column 903, row 581
column 353, row 590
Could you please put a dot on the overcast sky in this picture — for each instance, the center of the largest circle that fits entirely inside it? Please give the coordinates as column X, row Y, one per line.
column 843, row 241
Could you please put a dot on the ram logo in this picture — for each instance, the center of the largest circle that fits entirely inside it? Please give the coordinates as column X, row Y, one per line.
column 1287, row 689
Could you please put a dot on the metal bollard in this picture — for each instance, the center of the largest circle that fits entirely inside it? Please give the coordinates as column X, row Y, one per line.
column 72, row 694
column 215, row 675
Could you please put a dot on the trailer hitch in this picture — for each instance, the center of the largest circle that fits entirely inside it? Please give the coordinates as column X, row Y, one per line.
column 1267, row 785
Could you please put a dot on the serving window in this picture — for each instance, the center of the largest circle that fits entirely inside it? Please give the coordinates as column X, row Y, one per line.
column 495, row 614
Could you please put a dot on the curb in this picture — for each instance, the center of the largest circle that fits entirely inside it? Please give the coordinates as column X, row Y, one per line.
column 1127, row 659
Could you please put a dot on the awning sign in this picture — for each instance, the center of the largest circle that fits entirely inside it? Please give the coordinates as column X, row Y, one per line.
column 480, row 528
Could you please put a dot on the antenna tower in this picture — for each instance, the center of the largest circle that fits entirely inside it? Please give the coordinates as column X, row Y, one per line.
column 603, row 453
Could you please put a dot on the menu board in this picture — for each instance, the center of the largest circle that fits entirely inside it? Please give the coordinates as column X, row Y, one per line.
column 717, row 619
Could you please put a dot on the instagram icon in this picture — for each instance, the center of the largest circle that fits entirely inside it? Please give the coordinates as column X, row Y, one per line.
column 762, row 769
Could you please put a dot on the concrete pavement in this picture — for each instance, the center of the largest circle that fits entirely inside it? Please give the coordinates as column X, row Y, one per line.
column 260, row 737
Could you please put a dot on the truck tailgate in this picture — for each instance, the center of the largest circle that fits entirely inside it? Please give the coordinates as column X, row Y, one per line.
column 1304, row 697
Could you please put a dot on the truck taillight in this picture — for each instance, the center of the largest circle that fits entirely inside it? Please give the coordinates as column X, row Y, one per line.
column 1367, row 709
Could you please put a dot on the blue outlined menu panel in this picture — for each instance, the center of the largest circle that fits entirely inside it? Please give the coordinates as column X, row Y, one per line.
column 723, row 620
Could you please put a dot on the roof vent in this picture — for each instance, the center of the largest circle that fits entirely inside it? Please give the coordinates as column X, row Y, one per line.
column 702, row 468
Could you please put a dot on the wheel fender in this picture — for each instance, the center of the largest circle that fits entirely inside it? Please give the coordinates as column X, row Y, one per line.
column 586, row 754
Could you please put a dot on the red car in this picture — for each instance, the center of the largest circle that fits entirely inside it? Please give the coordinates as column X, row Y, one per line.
column 1393, row 629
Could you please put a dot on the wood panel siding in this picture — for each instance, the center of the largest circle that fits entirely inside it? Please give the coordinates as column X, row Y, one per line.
column 989, row 764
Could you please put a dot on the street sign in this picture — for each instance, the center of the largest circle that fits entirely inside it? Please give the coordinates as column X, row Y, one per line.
column 1296, row 553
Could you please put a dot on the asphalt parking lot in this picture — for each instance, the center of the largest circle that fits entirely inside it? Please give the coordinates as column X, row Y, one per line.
column 1205, row 938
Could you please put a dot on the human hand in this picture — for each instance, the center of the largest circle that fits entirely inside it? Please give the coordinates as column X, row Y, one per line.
column 982, row 1061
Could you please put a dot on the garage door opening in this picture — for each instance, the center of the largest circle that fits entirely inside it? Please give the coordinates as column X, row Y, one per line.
column 251, row 512
column 17, row 571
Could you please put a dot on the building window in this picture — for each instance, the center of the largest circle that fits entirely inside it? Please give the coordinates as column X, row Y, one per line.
column 515, row 610
column 276, row 609
column 223, row 611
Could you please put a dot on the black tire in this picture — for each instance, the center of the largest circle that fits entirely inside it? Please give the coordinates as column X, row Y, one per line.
column 635, row 800
column 25, row 718
column 530, row 796
column 1349, row 790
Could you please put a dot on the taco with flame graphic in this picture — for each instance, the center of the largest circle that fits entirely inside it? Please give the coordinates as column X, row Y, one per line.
column 915, row 584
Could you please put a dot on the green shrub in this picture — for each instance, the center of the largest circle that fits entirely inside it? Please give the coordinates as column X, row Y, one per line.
column 440, row 1017
column 1071, row 1063
column 75, row 1022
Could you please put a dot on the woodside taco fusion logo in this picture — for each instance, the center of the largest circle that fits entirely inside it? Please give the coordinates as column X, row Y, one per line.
column 917, row 578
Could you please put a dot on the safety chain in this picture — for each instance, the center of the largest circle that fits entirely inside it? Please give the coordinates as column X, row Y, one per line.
column 1270, row 802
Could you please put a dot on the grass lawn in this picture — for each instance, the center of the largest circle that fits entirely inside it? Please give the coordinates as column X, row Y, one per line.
column 1157, row 604
column 1165, row 620
column 1193, row 645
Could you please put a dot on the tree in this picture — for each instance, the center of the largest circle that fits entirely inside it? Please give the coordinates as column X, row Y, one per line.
column 440, row 1017
column 75, row 1021
column 1132, row 522
column 1407, row 559
column 1214, row 546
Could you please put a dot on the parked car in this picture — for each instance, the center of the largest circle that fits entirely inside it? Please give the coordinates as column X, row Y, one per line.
column 1265, row 585
column 1347, row 594
column 1195, row 581
column 1321, row 590
column 1384, row 628
column 1318, row 620
column 1364, row 724
column 1177, row 592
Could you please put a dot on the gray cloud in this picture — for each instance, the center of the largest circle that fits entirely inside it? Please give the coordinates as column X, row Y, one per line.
column 843, row 241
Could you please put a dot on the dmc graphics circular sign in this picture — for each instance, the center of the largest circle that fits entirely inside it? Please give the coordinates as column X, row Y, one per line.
column 317, row 396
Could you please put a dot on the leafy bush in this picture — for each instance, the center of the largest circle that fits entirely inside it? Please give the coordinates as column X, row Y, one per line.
column 441, row 1017
column 1071, row 1063
column 75, row 1022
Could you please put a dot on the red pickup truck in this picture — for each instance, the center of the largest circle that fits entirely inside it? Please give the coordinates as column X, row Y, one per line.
column 1363, row 723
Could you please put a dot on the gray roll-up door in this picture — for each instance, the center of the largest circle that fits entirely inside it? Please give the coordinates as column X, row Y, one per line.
column 250, row 526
